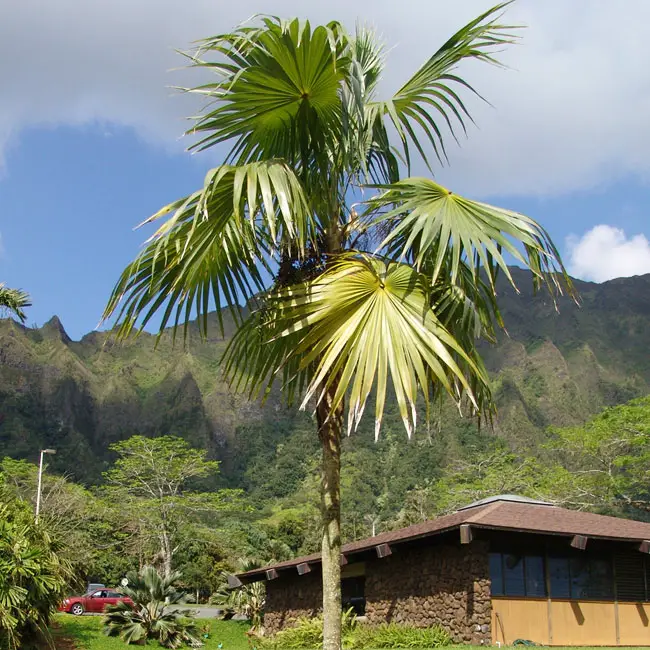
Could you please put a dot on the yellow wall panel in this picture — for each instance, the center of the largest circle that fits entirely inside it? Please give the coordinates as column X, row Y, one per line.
column 633, row 621
column 519, row 619
column 583, row 623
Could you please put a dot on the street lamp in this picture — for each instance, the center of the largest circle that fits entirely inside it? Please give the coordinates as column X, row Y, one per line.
column 40, row 480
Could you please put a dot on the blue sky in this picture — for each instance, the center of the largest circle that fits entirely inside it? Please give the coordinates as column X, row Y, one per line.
column 81, row 165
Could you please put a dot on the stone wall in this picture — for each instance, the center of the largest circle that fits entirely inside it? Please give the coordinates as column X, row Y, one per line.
column 444, row 585
column 425, row 586
column 290, row 597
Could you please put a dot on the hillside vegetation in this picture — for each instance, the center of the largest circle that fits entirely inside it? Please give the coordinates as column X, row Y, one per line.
column 82, row 396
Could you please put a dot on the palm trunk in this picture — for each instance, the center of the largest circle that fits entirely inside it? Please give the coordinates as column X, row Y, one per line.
column 330, row 427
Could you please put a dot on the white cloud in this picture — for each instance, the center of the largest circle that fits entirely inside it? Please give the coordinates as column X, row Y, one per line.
column 605, row 252
column 571, row 114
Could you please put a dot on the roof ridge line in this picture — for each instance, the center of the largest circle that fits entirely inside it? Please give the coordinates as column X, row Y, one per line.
column 485, row 511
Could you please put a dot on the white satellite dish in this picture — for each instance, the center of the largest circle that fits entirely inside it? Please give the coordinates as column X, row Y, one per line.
column 124, row 582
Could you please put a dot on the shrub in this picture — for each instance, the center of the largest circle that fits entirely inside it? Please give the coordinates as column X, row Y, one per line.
column 307, row 633
column 396, row 635
column 33, row 577
column 150, row 617
column 248, row 600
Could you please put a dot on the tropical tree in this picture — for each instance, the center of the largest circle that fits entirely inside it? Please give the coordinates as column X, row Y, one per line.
column 33, row 576
column 607, row 460
column 340, row 269
column 153, row 614
column 14, row 301
column 152, row 480
column 68, row 511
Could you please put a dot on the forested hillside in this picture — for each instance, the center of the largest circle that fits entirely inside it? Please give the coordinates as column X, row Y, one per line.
column 81, row 396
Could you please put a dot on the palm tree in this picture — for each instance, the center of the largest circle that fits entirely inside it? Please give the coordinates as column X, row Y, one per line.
column 14, row 301
column 340, row 294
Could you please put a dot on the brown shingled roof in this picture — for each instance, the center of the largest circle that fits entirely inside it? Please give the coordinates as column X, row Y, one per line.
column 499, row 514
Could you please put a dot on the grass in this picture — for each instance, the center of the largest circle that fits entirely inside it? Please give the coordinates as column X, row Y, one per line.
column 86, row 634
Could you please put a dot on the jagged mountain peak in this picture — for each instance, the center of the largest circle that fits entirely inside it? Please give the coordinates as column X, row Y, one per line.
column 53, row 328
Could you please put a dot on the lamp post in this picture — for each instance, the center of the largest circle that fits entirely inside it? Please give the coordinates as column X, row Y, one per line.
column 40, row 480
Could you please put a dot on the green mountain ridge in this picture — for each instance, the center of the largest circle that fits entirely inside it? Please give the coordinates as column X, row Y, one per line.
column 551, row 368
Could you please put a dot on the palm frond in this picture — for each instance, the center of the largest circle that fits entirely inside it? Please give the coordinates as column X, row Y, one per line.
column 364, row 148
column 215, row 247
column 364, row 320
column 256, row 356
column 276, row 92
column 438, row 230
column 429, row 101
column 14, row 301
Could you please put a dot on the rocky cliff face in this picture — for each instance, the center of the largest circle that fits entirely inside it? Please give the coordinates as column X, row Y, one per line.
column 80, row 396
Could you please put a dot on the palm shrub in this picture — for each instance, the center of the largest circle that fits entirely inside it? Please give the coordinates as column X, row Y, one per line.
column 150, row 616
column 344, row 298
column 33, row 576
column 247, row 599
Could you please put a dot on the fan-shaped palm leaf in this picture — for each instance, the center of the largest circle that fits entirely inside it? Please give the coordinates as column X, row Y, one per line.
column 277, row 89
column 433, row 227
column 366, row 319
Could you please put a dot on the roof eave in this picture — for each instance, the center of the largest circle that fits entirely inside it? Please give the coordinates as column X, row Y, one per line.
column 260, row 574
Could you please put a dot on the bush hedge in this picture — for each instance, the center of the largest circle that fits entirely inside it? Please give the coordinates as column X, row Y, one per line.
column 307, row 634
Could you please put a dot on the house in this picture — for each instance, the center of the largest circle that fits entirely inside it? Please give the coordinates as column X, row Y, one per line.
column 500, row 569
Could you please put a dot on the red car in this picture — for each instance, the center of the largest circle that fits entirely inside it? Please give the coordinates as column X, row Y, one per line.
column 94, row 602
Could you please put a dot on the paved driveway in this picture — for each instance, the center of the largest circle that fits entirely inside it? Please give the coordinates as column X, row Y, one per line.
column 202, row 611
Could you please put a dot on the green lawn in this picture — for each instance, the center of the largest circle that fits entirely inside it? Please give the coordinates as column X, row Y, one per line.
column 86, row 632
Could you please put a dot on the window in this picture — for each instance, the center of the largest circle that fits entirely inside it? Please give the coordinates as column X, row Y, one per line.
column 496, row 574
column 572, row 575
column 353, row 594
column 514, row 582
column 601, row 580
column 535, row 578
column 581, row 577
column 559, row 577
column 517, row 575
column 579, row 571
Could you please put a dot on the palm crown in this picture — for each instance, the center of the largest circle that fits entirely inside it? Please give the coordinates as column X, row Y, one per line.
column 14, row 301
column 340, row 298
